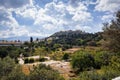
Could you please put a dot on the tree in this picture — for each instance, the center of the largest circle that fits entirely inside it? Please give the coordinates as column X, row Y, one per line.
column 3, row 52
column 31, row 39
column 17, row 74
column 102, row 59
column 82, row 61
column 111, row 34
column 6, row 66
column 37, row 39
column 65, row 56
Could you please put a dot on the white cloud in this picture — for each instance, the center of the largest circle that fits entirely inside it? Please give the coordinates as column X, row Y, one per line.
column 54, row 16
column 107, row 17
column 83, row 28
column 82, row 16
column 108, row 5
column 27, row 12
column 73, row 10
column 13, row 3
column 48, row 26
column 41, row 17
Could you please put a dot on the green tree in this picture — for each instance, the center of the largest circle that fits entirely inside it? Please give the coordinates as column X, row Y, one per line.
column 102, row 59
column 31, row 39
column 17, row 74
column 65, row 56
column 6, row 66
column 111, row 34
column 82, row 61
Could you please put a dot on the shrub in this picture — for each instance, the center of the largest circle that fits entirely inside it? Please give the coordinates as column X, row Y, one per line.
column 102, row 59
column 42, row 59
column 17, row 74
column 65, row 56
column 109, row 73
column 82, row 61
column 26, row 60
column 115, row 62
column 31, row 60
column 92, row 75
column 43, row 72
column 6, row 66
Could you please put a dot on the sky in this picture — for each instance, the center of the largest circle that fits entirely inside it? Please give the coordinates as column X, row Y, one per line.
column 42, row 18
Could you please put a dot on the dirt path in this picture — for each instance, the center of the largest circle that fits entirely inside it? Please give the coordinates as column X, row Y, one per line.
column 72, row 50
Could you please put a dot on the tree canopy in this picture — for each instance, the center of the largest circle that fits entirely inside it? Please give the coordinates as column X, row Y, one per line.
column 111, row 34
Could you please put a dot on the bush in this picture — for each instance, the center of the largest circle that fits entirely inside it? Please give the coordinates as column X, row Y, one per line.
column 115, row 62
column 92, row 75
column 42, row 59
column 109, row 73
column 65, row 56
column 6, row 66
column 17, row 74
column 102, row 59
column 31, row 60
column 43, row 72
column 82, row 61
column 26, row 60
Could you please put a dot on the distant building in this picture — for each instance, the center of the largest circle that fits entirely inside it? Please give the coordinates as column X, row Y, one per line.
column 11, row 43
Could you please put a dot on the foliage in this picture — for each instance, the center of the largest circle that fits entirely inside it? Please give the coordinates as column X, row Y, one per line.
column 82, row 61
column 111, row 34
column 6, row 66
column 12, row 52
column 68, row 39
column 57, row 55
column 10, row 71
column 43, row 72
column 42, row 59
column 17, row 74
column 102, row 58
column 26, row 60
column 65, row 56
column 107, row 73
column 31, row 39
column 29, row 60
column 3, row 52
column 40, row 51
column 115, row 62
column 75, row 38
column 91, row 75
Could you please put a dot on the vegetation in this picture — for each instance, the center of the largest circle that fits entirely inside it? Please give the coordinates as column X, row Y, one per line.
column 82, row 61
column 42, row 72
column 97, row 59
column 68, row 39
column 11, row 71
column 112, row 34
column 65, row 56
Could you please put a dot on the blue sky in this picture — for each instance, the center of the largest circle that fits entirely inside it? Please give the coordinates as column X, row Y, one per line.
column 41, row 18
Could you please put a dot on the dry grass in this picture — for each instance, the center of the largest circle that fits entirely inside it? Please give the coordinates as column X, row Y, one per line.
column 63, row 68
column 72, row 50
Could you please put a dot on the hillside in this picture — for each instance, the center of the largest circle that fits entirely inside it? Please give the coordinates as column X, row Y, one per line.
column 75, row 38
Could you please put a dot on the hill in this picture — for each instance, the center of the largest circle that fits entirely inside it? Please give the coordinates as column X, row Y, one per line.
column 68, row 39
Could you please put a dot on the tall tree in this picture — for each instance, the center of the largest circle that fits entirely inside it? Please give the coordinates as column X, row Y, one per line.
column 111, row 34
column 31, row 39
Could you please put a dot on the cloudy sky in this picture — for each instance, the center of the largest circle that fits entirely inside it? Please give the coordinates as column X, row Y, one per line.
column 41, row 18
